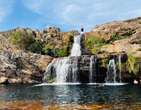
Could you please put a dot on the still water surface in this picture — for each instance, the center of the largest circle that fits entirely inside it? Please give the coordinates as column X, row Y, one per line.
column 72, row 94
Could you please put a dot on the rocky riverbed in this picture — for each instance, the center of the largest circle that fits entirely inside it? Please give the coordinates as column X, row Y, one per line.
column 34, row 105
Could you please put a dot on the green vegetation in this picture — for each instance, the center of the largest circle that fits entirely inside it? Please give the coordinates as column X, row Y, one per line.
column 94, row 43
column 55, row 52
column 115, row 36
column 26, row 42
column 61, row 52
column 21, row 40
column 132, row 65
column 35, row 47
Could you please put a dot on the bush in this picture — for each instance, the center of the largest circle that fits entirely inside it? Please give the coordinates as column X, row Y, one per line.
column 21, row 41
column 35, row 47
column 115, row 37
column 56, row 52
column 94, row 43
column 133, row 67
column 92, row 40
column 118, row 37
column 61, row 52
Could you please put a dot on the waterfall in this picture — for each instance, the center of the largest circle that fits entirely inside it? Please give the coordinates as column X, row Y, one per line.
column 92, row 69
column 76, row 48
column 75, row 70
column 63, row 68
column 111, row 72
column 119, row 62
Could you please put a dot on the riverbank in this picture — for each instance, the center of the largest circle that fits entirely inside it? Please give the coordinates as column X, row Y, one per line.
column 35, row 105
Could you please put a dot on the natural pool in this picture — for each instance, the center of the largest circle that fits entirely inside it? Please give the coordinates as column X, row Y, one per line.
column 79, row 96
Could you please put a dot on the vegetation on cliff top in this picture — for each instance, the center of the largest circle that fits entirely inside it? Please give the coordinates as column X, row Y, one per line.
column 51, row 42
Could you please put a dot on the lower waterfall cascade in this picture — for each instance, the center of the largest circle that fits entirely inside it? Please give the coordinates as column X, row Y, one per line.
column 113, row 76
column 111, row 72
column 92, row 68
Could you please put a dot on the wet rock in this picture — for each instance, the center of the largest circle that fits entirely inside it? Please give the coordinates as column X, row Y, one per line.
column 14, row 80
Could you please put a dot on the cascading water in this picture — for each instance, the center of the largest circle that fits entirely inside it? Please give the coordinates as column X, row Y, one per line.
column 74, row 67
column 76, row 48
column 63, row 67
column 92, row 69
column 111, row 72
column 119, row 62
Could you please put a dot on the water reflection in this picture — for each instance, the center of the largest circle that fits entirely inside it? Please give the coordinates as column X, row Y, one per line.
column 72, row 94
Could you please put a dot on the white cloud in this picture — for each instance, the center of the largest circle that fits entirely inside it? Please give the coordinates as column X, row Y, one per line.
column 84, row 12
column 5, row 9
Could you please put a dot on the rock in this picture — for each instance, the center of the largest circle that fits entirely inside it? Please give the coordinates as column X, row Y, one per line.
column 26, row 68
column 14, row 81
column 122, row 36
column 136, row 82
column 3, row 79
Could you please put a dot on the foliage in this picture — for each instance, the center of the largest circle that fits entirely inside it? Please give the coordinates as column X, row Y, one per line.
column 132, row 65
column 27, row 41
column 35, row 47
column 48, row 49
column 94, row 43
column 21, row 41
column 61, row 52
column 115, row 36
column 104, row 62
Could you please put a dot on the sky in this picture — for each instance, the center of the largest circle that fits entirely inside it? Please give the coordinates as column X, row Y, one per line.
column 66, row 14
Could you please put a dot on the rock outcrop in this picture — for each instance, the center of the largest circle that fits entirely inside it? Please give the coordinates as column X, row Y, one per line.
column 122, row 36
column 24, row 68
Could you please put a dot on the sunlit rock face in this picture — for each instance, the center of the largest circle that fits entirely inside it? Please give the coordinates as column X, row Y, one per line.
column 119, row 36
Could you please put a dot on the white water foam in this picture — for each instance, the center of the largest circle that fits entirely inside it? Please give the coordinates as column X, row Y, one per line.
column 55, row 84
column 76, row 48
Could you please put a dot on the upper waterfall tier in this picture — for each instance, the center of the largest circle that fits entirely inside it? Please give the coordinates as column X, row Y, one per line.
column 76, row 48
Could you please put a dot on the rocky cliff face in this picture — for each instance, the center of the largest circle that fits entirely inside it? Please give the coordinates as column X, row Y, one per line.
column 22, row 67
column 123, row 36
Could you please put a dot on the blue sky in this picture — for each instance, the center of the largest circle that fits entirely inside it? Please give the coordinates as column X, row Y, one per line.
column 66, row 14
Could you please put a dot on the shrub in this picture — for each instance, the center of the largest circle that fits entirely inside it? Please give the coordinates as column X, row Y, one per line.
column 92, row 40
column 61, row 52
column 133, row 67
column 48, row 49
column 94, row 43
column 20, row 40
column 35, row 47
column 118, row 37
